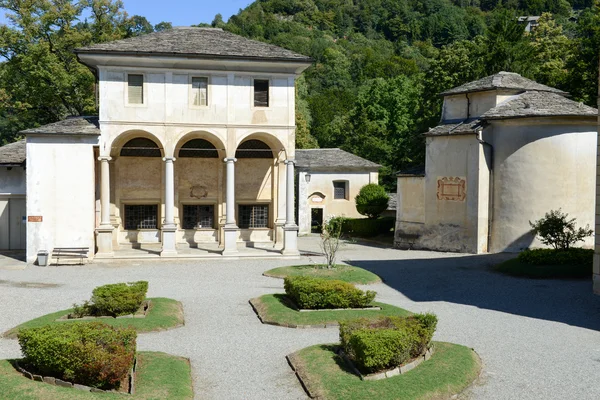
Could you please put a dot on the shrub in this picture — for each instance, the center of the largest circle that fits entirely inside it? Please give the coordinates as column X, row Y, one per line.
column 93, row 354
column 371, row 200
column 317, row 293
column 364, row 227
column 382, row 352
column 114, row 300
column 557, row 231
column 572, row 256
column 331, row 239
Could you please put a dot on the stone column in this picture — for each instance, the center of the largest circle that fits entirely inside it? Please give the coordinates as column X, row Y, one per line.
column 290, row 229
column 230, row 229
column 105, row 231
column 169, row 228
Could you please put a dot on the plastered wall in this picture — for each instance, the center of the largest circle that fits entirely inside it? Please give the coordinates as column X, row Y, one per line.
column 12, row 181
column 410, row 206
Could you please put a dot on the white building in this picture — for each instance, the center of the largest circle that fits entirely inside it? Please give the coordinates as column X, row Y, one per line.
column 328, row 182
column 12, row 196
column 193, row 148
column 507, row 151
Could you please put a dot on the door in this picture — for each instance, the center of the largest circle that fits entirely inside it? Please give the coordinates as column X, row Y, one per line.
column 316, row 220
column 17, row 228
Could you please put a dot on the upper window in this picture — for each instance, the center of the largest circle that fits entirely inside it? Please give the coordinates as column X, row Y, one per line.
column 140, row 147
column 135, row 89
column 198, row 148
column 200, row 91
column 254, row 149
column 261, row 93
column 340, row 190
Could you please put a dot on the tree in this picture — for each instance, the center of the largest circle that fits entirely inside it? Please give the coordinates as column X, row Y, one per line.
column 556, row 230
column 552, row 52
column 331, row 239
column 372, row 200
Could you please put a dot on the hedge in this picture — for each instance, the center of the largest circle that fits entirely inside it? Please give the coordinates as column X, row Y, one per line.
column 317, row 293
column 366, row 227
column 557, row 257
column 92, row 354
column 114, row 300
column 386, row 342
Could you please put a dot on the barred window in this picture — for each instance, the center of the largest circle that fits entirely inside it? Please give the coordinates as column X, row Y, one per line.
column 253, row 216
column 198, row 216
column 200, row 91
column 261, row 93
column 254, row 149
column 141, row 216
column 198, row 148
column 135, row 89
column 140, row 147
column 340, row 190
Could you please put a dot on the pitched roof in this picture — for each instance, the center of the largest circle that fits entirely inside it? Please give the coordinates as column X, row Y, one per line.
column 13, row 153
column 69, row 126
column 539, row 104
column 196, row 42
column 501, row 80
column 456, row 128
column 332, row 159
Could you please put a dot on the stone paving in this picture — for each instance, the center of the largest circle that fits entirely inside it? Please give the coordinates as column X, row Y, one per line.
column 538, row 339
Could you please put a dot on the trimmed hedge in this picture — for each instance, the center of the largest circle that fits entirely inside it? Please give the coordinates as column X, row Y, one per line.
column 386, row 342
column 371, row 200
column 317, row 293
column 557, row 257
column 92, row 354
column 114, row 300
column 366, row 227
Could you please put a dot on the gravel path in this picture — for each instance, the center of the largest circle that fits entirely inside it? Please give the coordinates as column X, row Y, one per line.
column 538, row 339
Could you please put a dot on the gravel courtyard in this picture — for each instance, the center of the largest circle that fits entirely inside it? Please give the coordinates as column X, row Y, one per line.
column 537, row 339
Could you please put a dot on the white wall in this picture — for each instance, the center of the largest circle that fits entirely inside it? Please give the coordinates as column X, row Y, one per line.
column 12, row 181
column 60, row 189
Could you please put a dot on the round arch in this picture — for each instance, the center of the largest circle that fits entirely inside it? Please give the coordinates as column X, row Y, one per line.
column 272, row 141
column 117, row 143
column 211, row 138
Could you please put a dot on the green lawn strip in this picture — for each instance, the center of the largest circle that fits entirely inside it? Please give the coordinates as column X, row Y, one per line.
column 449, row 371
column 515, row 267
column 158, row 376
column 273, row 309
column 341, row 272
column 164, row 314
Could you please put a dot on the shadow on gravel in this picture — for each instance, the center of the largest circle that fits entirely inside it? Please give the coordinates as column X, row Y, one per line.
column 469, row 280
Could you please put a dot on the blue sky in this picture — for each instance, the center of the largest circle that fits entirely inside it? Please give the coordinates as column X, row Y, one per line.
column 179, row 12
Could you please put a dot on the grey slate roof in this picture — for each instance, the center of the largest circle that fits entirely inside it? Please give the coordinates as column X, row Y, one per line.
column 13, row 153
column 501, row 80
column 419, row 170
column 332, row 159
column 69, row 126
column 456, row 128
column 539, row 104
column 196, row 42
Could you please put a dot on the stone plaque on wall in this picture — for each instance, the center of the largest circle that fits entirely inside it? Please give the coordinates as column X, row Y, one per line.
column 452, row 188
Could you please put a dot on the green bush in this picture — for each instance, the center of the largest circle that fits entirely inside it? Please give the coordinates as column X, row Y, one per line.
column 365, row 227
column 316, row 293
column 92, row 354
column 416, row 333
column 113, row 300
column 371, row 200
column 556, row 230
column 573, row 256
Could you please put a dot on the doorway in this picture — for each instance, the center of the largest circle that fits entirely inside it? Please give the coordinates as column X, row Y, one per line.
column 316, row 220
column 12, row 224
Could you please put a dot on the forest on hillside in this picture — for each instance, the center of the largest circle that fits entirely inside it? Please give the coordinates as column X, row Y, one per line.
column 379, row 64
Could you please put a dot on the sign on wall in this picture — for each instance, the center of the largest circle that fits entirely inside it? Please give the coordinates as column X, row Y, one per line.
column 451, row 188
column 34, row 218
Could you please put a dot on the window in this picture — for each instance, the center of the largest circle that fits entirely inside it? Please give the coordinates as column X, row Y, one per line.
column 261, row 93
column 200, row 91
column 253, row 216
column 198, row 216
column 141, row 216
column 340, row 190
column 198, row 148
column 254, row 149
column 135, row 89
column 140, row 147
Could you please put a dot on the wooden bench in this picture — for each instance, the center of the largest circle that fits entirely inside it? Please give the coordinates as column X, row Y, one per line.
column 70, row 253
column 408, row 238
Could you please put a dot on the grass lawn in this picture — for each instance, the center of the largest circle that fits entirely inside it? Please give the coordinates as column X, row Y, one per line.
column 272, row 308
column 515, row 267
column 450, row 370
column 158, row 376
column 341, row 272
column 164, row 314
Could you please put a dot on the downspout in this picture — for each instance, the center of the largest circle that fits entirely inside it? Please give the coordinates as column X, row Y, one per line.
column 491, row 187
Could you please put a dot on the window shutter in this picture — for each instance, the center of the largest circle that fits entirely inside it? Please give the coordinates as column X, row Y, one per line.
column 339, row 190
column 261, row 93
column 135, row 89
column 200, row 91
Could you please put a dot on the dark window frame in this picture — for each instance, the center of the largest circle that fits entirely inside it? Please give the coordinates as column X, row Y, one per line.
column 262, row 96
column 139, row 222
column 343, row 185
column 192, row 221
column 257, row 218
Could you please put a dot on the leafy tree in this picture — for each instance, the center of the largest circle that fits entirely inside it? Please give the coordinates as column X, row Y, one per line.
column 556, row 230
column 552, row 52
column 372, row 200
